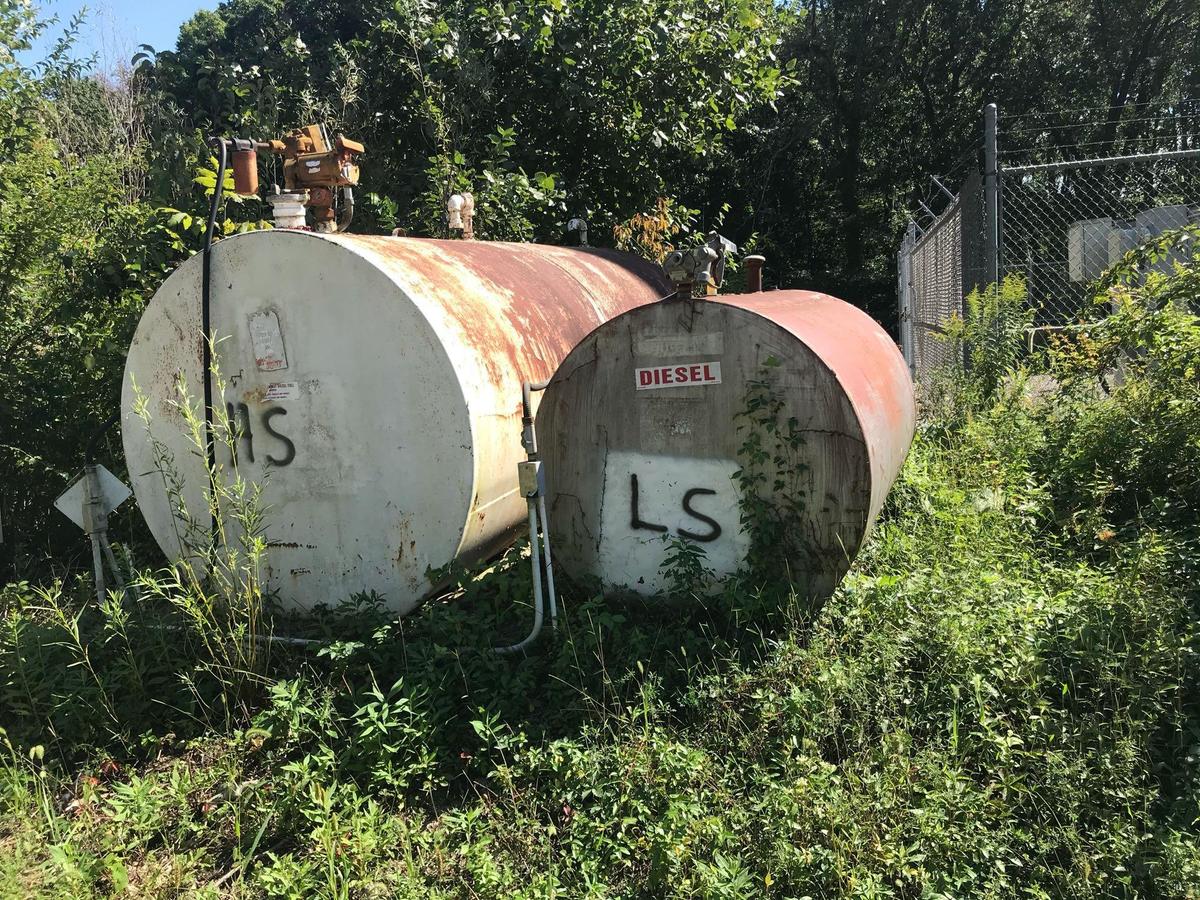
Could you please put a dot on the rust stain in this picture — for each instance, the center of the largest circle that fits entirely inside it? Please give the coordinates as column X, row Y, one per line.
column 548, row 305
column 866, row 363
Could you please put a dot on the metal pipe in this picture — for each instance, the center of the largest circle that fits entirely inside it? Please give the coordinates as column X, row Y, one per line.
column 945, row 190
column 754, row 272
column 528, row 435
column 97, row 567
column 1054, row 329
column 537, row 586
column 991, row 196
column 112, row 564
column 530, row 441
column 579, row 227
column 545, row 523
column 538, row 520
column 904, row 293
column 347, row 214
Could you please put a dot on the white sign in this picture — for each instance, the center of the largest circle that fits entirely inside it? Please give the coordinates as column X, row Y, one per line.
column 664, row 346
column 281, row 390
column 653, row 377
column 268, row 341
column 112, row 491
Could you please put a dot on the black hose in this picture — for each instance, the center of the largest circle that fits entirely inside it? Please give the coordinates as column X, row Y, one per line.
column 89, row 454
column 206, row 321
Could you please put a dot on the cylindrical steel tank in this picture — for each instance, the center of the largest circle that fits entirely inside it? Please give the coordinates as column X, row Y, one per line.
column 376, row 386
column 648, row 421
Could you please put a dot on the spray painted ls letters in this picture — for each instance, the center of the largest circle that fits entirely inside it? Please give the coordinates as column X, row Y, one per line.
column 650, row 499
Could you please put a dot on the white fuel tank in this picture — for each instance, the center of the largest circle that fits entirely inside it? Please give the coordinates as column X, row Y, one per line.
column 376, row 385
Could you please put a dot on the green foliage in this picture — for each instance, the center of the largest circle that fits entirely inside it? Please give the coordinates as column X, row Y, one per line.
column 654, row 234
column 18, row 89
column 77, row 261
column 997, row 319
column 1125, row 454
column 510, row 205
column 684, row 569
column 771, row 481
column 984, row 346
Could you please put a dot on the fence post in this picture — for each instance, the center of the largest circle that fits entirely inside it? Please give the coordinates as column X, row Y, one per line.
column 904, row 294
column 991, row 196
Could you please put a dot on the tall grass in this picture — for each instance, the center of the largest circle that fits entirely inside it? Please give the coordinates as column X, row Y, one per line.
column 215, row 587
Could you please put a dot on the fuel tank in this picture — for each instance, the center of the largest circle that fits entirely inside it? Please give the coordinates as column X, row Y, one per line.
column 372, row 387
column 668, row 418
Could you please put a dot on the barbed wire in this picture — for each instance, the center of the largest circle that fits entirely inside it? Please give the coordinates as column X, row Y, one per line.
column 1150, row 144
column 932, row 196
column 959, row 166
column 1083, row 109
column 1120, row 123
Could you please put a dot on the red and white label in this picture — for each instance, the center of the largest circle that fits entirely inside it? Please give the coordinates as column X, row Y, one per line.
column 653, row 377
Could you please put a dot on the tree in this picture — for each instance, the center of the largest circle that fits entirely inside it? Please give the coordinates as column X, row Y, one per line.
column 79, row 254
column 609, row 103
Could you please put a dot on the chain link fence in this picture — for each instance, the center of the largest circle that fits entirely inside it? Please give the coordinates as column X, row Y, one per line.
column 1059, row 225
column 929, row 290
column 1062, row 225
column 937, row 266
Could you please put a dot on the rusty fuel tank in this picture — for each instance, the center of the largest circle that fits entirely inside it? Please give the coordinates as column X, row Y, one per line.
column 374, row 385
column 664, row 419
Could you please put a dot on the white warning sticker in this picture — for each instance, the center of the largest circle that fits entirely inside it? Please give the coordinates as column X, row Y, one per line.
column 268, row 341
column 281, row 390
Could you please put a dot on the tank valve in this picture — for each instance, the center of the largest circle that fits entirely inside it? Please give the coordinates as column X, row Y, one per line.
column 577, row 232
column 698, row 271
column 316, row 168
column 460, row 215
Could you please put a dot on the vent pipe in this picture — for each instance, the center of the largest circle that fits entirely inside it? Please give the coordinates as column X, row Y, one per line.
column 754, row 269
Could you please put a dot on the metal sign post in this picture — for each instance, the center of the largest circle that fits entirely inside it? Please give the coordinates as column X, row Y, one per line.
column 87, row 503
